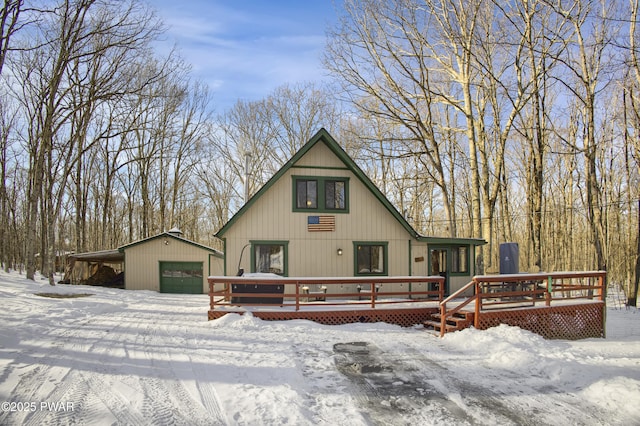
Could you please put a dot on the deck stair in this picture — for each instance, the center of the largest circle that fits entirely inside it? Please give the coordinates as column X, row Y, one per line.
column 456, row 322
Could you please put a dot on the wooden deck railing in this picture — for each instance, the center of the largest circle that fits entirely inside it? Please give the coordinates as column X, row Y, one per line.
column 512, row 291
column 326, row 291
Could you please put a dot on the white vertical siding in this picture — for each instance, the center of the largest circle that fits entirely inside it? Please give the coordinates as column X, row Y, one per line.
column 315, row 253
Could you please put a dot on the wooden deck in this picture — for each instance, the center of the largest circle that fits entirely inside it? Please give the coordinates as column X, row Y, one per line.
column 404, row 301
column 560, row 305
column 556, row 305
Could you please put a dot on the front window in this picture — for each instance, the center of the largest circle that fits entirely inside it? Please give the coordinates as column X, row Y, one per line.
column 371, row 258
column 270, row 257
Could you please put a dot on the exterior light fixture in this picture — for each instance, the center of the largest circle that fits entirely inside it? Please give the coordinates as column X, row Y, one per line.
column 339, row 252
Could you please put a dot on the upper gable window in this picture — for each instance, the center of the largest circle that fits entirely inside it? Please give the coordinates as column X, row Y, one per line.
column 335, row 194
column 306, row 194
column 321, row 194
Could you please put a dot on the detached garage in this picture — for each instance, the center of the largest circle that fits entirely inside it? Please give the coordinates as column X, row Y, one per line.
column 169, row 263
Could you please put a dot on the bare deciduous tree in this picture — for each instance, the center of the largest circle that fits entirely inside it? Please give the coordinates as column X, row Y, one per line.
column 586, row 59
column 633, row 122
column 70, row 71
column 9, row 25
column 386, row 57
column 268, row 132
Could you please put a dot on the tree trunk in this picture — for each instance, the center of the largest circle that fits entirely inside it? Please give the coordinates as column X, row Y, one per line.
column 633, row 294
column 34, row 191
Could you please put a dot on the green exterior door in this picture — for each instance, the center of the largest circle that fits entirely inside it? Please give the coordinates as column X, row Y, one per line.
column 181, row 277
column 440, row 265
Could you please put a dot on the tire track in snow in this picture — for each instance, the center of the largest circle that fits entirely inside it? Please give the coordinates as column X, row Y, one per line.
column 115, row 403
column 94, row 398
column 206, row 390
column 105, row 390
column 158, row 405
column 166, row 400
column 67, row 386
column 27, row 390
column 164, row 389
column 210, row 401
column 47, row 382
column 52, row 382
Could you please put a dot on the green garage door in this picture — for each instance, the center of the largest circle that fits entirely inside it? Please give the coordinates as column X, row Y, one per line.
column 181, row 277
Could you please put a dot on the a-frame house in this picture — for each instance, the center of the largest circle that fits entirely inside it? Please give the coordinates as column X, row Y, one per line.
column 321, row 216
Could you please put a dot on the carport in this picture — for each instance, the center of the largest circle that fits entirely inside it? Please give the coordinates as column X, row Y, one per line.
column 104, row 267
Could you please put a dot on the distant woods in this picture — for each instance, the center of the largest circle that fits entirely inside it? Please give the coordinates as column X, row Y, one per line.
column 516, row 121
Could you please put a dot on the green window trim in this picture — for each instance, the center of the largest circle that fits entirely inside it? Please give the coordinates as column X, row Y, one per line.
column 358, row 246
column 306, row 194
column 458, row 259
column 285, row 246
column 322, row 193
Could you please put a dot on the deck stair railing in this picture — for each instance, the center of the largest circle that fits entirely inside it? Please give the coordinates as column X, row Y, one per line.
column 491, row 293
column 448, row 318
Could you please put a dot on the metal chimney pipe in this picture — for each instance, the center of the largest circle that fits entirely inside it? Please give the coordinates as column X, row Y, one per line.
column 247, row 158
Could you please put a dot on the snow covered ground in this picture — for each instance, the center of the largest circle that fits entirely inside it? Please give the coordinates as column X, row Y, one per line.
column 139, row 357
